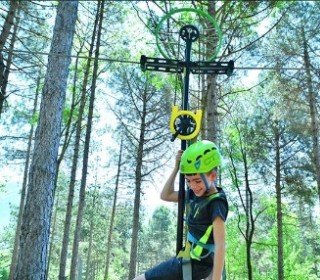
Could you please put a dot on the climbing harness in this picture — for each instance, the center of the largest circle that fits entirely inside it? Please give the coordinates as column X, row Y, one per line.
column 194, row 247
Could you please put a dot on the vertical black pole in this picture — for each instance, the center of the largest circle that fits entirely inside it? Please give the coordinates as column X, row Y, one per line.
column 187, row 34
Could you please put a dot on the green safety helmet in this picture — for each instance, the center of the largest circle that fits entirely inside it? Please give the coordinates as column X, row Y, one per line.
column 200, row 157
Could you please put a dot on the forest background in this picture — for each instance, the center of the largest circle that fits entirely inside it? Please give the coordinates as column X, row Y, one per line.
column 101, row 216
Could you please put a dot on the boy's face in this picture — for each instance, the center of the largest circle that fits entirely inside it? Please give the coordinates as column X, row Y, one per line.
column 196, row 184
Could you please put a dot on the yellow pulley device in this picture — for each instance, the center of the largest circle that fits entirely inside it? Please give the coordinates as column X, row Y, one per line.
column 185, row 124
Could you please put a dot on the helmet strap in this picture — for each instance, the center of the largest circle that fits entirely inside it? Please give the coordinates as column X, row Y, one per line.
column 205, row 181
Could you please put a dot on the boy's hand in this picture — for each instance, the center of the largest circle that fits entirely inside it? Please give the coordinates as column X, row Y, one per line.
column 178, row 158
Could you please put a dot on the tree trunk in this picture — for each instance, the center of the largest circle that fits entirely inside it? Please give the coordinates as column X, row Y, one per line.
column 5, row 77
column 14, row 258
column 279, row 207
column 35, row 230
column 52, row 235
column 315, row 250
column 86, row 152
column 313, row 115
column 67, row 223
column 212, row 87
column 249, row 215
column 114, row 205
column 246, row 202
column 79, row 268
column 8, row 23
column 91, row 230
column 137, row 195
column 69, row 127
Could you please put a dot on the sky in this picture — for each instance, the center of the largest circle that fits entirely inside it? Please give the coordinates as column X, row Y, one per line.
column 11, row 195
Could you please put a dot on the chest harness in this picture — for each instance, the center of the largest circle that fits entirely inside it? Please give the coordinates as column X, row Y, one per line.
column 194, row 247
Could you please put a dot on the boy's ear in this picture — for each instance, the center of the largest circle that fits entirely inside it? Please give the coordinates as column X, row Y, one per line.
column 213, row 175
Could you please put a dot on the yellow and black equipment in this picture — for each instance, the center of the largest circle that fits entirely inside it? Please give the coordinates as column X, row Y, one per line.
column 185, row 124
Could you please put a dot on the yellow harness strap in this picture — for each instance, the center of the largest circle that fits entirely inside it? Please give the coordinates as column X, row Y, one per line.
column 185, row 253
column 186, row 262
column 195, row 253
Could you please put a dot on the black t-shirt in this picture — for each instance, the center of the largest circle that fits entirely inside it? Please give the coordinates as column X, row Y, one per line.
column 204, row 210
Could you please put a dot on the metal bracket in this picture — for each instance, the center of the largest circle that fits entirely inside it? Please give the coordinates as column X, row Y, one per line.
column 176, row 66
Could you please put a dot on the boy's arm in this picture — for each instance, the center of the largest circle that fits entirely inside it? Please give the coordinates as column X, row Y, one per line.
column 168, row 193
column 219, row 235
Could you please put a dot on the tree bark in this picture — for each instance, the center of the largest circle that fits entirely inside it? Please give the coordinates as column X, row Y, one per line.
column 4, row 78
column 313, row 115
column 315, row 250
column 91, row 230
column 246, row 202
column 35, row 230
column 9, row 21
column 212, row 87
column 67, row 223
column 114, row 205
column 52, row 235
column 86, row 152
column 137, row 195
column 14, row 258
column 249, row 214
column 279, row 206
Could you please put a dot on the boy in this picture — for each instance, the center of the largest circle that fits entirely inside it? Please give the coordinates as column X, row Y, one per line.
column 208, row 212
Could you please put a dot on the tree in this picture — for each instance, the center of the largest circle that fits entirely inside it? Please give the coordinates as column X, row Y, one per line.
column 113, row 212
column 297, row 49
column 4, row 69
column 280, row 148
column 239, row 154
column 81, row 205
column 32, row 259
column 159, row 238
column 14, row 258
column 76, row 150
column 140, row 112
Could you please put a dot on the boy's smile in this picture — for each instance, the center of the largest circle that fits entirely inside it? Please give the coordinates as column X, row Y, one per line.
column 196, row 184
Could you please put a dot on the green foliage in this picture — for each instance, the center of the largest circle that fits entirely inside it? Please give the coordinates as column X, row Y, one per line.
column 264, row 252
column 5, row 254
column 34, row 119
column 6, row 245
column 66, row 114
column 236, row 251
column 157, row 241
column 4, row 274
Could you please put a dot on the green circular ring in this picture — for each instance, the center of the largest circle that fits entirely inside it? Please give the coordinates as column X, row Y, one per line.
column 200, row 13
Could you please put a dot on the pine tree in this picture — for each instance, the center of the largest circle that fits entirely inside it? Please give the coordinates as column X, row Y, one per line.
column 32, row 260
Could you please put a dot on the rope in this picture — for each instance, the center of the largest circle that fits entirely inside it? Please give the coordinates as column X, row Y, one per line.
column 137, row 62
column 74, row 56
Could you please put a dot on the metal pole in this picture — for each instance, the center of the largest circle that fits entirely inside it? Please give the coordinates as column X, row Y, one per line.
column 189, row 34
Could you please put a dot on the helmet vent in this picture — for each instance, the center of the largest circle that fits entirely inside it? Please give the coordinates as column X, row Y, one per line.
column 198, row 157
column 206, row 151
column 189, row 161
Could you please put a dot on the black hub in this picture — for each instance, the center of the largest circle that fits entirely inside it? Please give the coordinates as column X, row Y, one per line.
column 189, row 33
